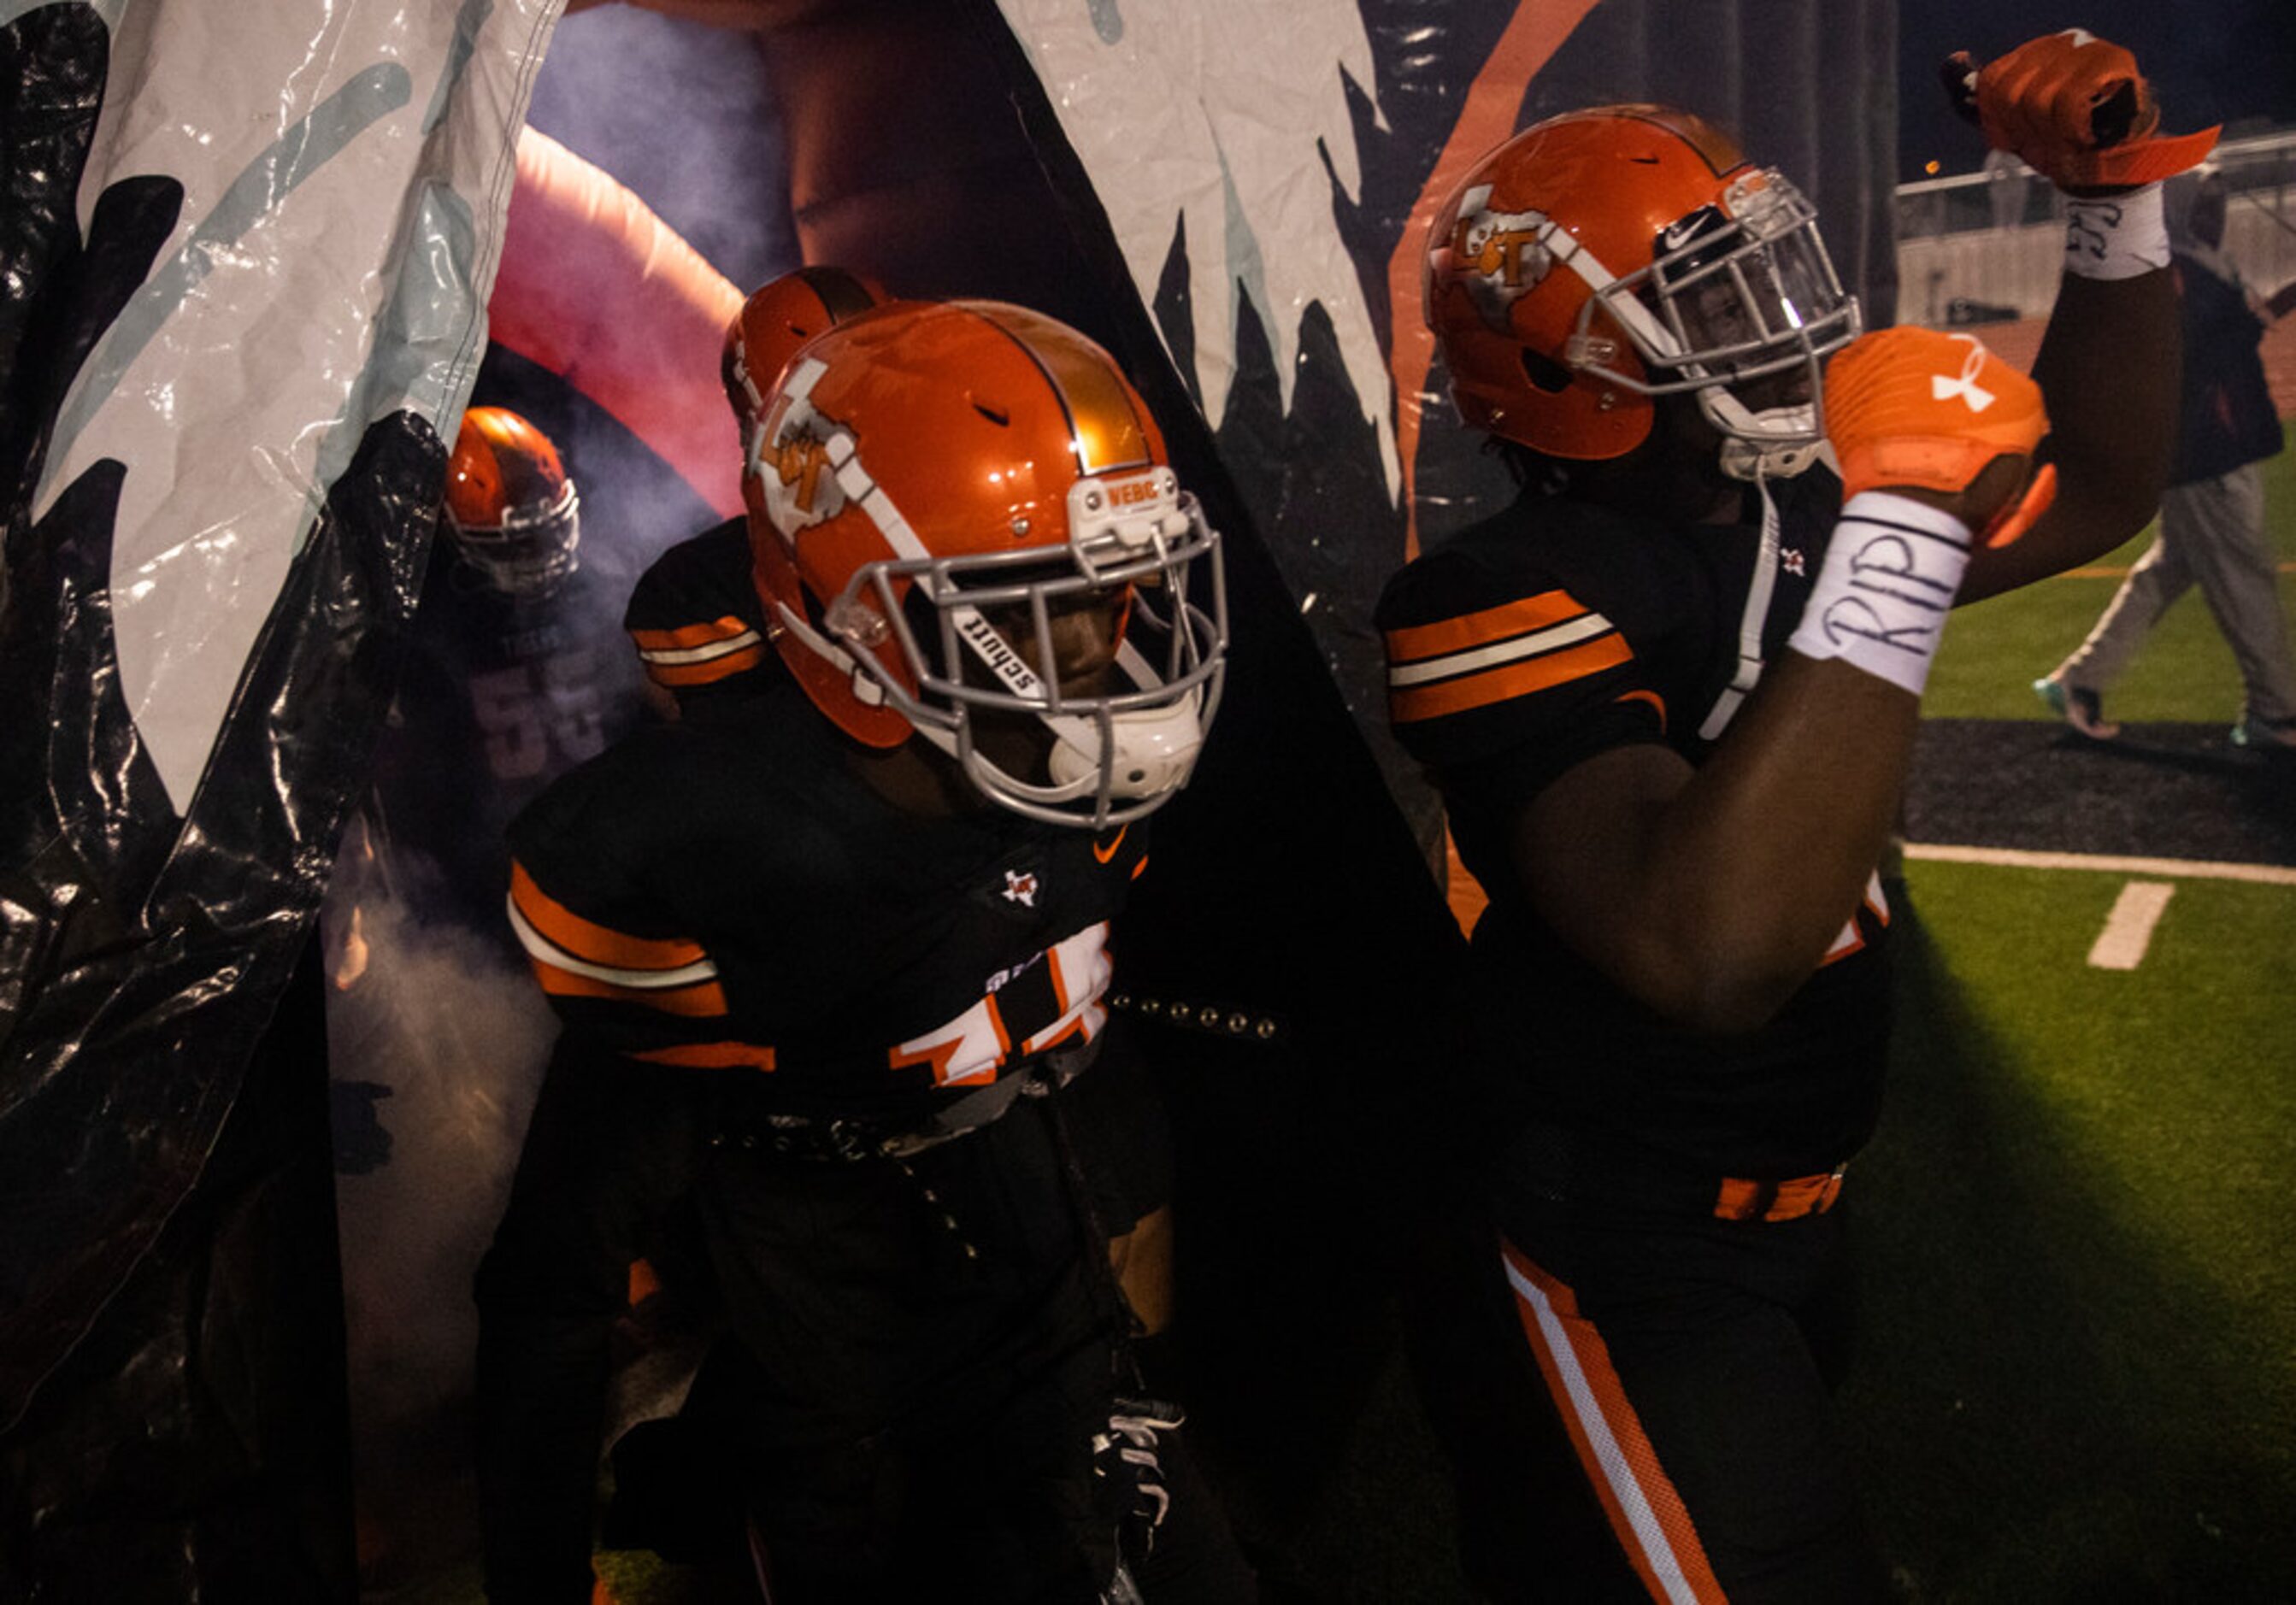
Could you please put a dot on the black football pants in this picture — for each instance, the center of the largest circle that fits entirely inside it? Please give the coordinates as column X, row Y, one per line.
column 1639, row 1409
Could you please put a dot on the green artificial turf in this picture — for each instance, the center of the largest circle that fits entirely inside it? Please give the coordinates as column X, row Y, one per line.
column 1994, row 650
column 2080, row 1380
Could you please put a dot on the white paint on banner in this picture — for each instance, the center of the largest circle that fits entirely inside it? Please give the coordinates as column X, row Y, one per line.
column 330, row 264
column 107, row 12
column 1228, row 119
column 2128, row 932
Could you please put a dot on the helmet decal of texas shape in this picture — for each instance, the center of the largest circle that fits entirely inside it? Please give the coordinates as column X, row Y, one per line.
column 791, row 459
column 963, row 526
column 1496, row 256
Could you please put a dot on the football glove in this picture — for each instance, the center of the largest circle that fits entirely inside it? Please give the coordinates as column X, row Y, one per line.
column 1129, row 1460
column 2075, row 110
column 1913, row 407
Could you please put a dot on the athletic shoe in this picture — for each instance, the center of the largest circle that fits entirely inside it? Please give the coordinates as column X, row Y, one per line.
column 2275, row 737
column 2078, row 706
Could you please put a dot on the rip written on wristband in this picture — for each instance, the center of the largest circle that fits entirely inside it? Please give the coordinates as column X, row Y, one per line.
column 1885, row 569
column 1888, row 564
column 1853, row 619
column 1880, row 602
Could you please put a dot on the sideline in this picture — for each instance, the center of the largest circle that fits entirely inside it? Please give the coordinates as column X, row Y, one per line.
column 2121, row 572
column 2182, row 869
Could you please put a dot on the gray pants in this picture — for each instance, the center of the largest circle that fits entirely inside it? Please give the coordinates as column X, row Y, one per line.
column 2212, row 532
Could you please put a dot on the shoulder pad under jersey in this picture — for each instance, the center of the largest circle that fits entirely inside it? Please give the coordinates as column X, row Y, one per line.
column 695, row 616
column 1520, row 632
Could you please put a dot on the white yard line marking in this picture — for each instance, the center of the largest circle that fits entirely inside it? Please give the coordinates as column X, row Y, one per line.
column 2180, row 869
column 2129, row 928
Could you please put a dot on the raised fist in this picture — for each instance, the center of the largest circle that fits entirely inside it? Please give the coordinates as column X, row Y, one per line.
column 1941, row 418
column 2074, row 109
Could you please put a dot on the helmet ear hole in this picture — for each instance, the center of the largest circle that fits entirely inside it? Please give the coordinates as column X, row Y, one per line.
column 1545, row 373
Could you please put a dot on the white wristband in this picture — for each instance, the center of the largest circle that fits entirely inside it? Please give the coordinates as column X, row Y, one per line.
column 2116, row 236
column 1880, row 602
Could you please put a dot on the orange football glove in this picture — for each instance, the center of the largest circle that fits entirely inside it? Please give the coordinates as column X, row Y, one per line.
column 1915, row 407
column 2076, row 110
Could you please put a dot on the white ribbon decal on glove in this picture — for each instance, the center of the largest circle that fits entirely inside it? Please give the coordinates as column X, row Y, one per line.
column 1966, row 387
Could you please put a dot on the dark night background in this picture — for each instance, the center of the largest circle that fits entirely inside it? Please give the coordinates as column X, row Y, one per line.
column 2232, row 61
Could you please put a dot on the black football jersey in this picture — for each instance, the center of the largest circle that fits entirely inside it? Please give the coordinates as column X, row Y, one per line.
column 1559, row 630
column 731, row 895
column 697, row 621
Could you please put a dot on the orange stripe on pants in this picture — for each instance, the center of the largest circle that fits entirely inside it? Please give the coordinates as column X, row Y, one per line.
column 1646, row 1513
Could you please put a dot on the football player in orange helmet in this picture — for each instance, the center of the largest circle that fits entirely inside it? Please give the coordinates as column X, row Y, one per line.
column 694, row 616
column 511, row 512
column 510, row 674
column 1669, row 697
column 967, row 530
column 780, row 316
column 1605, row 259
column 833, row 961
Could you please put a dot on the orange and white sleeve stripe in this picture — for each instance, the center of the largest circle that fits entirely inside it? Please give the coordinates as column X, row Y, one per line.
column 1475, row 659
column 699, row 654
column 575, row 957
column 1646, row 1512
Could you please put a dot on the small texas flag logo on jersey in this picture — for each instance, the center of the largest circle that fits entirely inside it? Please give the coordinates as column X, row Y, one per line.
column 1020, row 887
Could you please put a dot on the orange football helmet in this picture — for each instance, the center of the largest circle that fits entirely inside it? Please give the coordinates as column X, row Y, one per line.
column 778, row 317
column 510, row 510
column 1609, row 256
column 937, row 491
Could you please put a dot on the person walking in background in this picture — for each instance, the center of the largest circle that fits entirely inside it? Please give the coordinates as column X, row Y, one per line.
column 2212, row 515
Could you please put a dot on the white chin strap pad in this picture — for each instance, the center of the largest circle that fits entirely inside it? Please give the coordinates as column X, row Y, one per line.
column 1154, row 750
column 1780, row 444
column 1749, row 461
